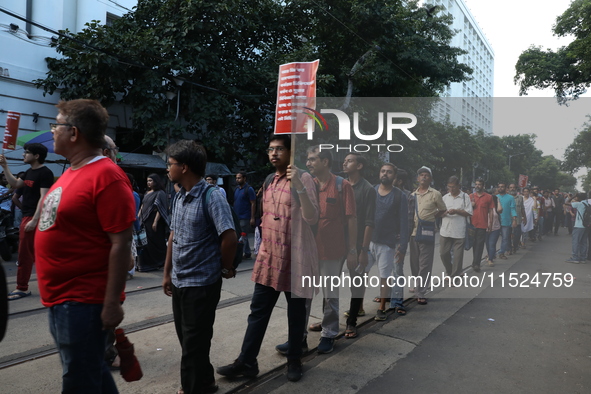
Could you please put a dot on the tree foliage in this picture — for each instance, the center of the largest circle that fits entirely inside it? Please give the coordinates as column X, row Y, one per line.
column 578, row 154
column 228, row 53
column 566, row 70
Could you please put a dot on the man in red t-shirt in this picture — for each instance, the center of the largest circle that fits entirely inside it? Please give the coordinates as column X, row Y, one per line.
column 336, row 201
column 82, row 247
column 482, row 218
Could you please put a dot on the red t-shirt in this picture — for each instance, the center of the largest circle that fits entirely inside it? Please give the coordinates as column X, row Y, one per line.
column 480, row 211
column 71, row 243
column 334, row 209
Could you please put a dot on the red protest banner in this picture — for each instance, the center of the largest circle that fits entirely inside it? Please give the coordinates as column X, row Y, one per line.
column 296, row 91
column 523, row 180
column 11, row 130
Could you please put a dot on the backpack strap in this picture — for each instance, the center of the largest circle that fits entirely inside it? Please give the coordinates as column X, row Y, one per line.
column 582, row 213
column 205, row 197
column 268, row 180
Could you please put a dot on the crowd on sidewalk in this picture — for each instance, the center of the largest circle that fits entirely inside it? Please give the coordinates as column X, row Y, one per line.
column 308, row 224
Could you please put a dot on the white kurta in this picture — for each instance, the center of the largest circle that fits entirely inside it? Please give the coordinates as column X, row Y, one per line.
column 528, row 205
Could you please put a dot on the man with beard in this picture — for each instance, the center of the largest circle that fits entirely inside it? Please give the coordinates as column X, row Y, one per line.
column 390, row 237
column 365, row 203
column 335, row 239
column 287, row 254
column 508, row 219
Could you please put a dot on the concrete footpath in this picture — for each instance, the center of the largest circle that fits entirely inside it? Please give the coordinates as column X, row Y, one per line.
column 485, row 339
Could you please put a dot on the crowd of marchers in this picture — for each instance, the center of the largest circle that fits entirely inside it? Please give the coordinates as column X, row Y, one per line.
column 79, row 231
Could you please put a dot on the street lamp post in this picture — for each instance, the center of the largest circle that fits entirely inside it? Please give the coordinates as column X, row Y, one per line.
column 510, row 156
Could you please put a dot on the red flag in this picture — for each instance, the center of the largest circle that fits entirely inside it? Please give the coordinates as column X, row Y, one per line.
column 11, row 130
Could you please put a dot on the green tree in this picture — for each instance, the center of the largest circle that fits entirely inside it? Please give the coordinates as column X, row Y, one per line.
column 578, row 154
column 226, row 54
column 373, row 48
column 567, row 70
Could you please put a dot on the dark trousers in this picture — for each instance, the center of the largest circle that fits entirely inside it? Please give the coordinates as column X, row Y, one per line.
column 516, row 237
column 478, row 247
column 558, row 221
column 263, row 301
column 357, row 293
column 194, row 314
column 548, row 222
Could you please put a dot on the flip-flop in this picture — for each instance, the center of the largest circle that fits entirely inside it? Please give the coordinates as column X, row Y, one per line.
column 422, row 301
column 400, row 311
column 315, row 327
column 351, row 332
column 18, row 294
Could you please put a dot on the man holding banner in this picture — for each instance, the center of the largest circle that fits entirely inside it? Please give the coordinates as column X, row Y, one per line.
column 36, row 182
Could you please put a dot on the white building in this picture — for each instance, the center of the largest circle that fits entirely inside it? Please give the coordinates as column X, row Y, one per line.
column 468, row 103
column 24, row 47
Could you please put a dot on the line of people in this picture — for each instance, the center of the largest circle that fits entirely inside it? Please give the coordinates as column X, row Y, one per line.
column 312, row 223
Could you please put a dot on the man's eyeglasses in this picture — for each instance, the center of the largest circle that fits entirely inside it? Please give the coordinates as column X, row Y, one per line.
column 277, row 149
column 168, row 165
column 53, row 126
column 114, row 149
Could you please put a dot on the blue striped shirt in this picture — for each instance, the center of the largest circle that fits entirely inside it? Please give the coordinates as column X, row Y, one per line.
column 196, row 255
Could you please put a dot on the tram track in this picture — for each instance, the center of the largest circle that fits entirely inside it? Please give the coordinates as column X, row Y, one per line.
column 48, row 350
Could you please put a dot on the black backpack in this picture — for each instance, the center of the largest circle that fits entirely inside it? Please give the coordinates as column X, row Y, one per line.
column 586, row 215
column 205, row 202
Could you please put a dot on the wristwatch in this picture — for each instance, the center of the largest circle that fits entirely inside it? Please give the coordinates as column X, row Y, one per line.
column 301, row 191
column 225, row 271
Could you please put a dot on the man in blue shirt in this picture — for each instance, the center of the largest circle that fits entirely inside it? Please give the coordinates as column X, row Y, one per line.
column 245, row 206
column 200, row 252
column 579, row 239
column 508, row 219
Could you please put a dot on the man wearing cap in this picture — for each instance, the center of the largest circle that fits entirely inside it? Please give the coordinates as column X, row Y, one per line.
column 429, row 205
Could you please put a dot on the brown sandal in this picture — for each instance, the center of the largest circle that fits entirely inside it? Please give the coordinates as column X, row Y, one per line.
column 351, row 332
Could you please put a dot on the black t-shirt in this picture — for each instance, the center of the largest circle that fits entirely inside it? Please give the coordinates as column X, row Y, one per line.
column 365, row 200
column 35, row 180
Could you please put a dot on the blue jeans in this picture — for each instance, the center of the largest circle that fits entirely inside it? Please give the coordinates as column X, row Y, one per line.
column 491, row 243
column 579, row 244
column 78, row 333
column 397, row 295
column 505, row 239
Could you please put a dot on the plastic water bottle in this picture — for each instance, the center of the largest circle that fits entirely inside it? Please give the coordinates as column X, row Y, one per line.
column 242, row 239
column 130, row 366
